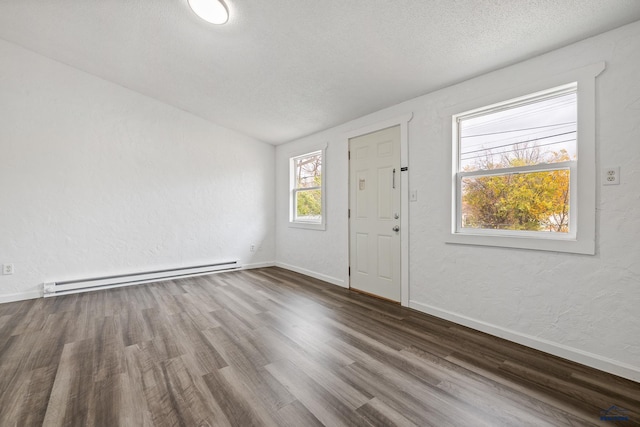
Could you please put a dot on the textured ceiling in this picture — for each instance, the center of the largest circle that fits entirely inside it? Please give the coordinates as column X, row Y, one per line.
column 282, row 69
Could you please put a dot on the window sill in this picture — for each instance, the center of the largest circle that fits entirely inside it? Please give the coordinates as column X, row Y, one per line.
column 555, row 244
column 308, row 225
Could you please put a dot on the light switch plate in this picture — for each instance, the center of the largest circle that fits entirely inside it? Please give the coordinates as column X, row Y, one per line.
column 7, row 269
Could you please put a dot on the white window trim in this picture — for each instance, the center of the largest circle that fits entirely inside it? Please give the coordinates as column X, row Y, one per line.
column 581, row 239
column 322, row 225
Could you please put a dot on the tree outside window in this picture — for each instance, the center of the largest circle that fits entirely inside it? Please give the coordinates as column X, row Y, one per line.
column 307, row 188
column 515, row 164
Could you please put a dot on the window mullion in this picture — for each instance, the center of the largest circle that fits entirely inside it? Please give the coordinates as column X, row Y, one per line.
column 541, row 167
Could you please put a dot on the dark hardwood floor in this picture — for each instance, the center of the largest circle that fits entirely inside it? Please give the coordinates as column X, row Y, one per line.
column 272, row 347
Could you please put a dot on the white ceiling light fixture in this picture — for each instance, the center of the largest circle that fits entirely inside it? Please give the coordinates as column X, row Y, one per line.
column 213, row 11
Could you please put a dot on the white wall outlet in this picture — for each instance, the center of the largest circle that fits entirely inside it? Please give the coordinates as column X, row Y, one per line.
column 252, row 248
column 611, row 176
column 413, row 196
column 7, row 269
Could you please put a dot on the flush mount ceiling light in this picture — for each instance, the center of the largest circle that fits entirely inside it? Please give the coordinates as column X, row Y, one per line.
column 213, row 11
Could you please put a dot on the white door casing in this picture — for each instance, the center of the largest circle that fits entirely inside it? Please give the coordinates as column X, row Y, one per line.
column 375, row 217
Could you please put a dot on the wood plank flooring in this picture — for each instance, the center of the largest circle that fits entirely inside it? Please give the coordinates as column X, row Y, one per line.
column 270, row 347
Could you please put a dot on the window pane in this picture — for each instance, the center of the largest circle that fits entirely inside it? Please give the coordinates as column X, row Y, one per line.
column 308, row 171
column 536, row 201
column 309, row 205
column 539, row 132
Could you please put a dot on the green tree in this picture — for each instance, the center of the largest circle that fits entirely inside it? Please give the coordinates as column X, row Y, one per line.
column 533, row 201
column 309, row 202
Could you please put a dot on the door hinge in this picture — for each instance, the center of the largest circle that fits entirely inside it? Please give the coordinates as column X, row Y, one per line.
column 349, row 213
column 349, row 155
column 349, row 271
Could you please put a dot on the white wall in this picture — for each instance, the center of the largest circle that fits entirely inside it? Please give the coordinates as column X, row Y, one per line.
column 319, row 253
column 96, row 179
column 581, row 307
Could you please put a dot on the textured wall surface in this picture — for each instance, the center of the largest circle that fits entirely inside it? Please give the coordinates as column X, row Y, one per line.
column 97, row 179
column 582, row 307
column 320, row 253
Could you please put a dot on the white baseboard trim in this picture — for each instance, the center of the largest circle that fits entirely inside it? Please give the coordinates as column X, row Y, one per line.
column 319, row 276
column 258, row 265
column 20, row 296
column 589, row 359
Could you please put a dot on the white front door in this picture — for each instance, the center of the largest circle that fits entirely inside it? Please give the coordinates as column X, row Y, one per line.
column 374, row 213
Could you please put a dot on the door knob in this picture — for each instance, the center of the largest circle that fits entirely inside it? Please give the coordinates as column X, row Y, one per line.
column 396, row 228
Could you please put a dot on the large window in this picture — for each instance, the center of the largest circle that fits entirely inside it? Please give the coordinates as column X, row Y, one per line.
column 307, row 190
column 523, row 163
column 517, row 166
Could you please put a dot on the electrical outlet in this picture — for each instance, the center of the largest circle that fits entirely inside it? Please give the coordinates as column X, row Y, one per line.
column 252, row 248
column 413, row 196
column 611, row 176
column 7, row 269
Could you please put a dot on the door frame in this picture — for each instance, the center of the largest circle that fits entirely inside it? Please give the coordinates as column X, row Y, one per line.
column 403, row 122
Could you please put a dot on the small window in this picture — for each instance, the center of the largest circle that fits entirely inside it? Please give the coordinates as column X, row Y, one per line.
column 517, row 164
column 307, row 191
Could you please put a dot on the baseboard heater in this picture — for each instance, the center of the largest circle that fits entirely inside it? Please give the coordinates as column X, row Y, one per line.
column 98, row 283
